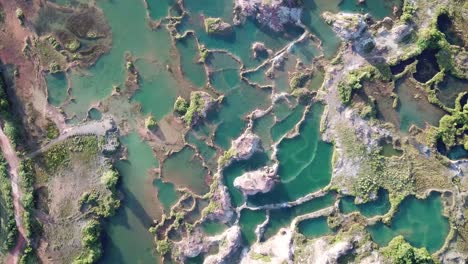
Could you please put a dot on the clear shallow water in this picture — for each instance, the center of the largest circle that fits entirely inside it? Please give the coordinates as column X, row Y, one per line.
column 188, row 50
column 127, row 239
column 57, row 88
column 414, row 108
column 420, row 222
column 167, row 195
column 192, row 175
column 130, row 33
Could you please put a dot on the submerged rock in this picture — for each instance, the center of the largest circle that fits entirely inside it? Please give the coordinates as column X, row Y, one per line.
column 275, row 13
column 262, row 180
column 217, row 26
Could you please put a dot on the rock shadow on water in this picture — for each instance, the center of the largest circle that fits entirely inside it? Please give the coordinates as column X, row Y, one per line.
column 238, row 168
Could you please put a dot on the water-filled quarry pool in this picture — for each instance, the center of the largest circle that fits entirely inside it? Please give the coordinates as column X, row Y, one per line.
column 304, row 160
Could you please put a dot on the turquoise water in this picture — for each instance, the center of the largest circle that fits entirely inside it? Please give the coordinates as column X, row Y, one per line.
column 288, row 123
column 56, row 88
column 312, row 228
column 167, row 195
column 159, row 8
column 94, row 114
column 192, row 70
column 304, row 163
column 126, row 19
column 127, row 238
column 378, row 207
column 230, row 118
column 419, row 221
column 282, row 217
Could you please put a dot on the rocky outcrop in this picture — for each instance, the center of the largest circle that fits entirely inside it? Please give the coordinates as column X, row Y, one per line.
column 230, row 244
column 245, row 146
column 277, row 249
column 217, row 26
column 222, row 210
column 348, row 26
column 352, row 28
column 275, row 13
column 259, row 49
column 259, row 181
column 192, row 245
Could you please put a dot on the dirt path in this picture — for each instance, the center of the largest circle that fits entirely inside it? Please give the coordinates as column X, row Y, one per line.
column 98, row 128
column 13, row 162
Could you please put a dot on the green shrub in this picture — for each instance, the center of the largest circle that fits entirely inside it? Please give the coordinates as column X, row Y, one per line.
column 401, row 252
column 226, row 157
column 196, row 105
column 353, row 82
column 151, row 123
column 110, row 179
column 91, row 241
column 52, row 131
column 181, row 106
column 163, row 247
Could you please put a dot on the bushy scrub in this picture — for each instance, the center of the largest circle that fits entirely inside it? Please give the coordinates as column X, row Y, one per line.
column 353, row 81
column 399, row 251
column 181, row 106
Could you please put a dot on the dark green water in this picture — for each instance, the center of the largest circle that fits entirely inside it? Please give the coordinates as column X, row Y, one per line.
column 378, row 207
column 316, row 227
column 420, row 222
column 167, row 195
column 127, row 237
column 249, row 220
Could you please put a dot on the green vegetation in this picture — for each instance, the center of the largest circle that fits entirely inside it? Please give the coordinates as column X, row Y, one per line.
column 99, row 204
column 163, row 247
column 56, row 157
column 181, row 106
column 452, row 127
column 151, row 123
column 73, row 45
column 399, row 251
column 9, row 231
column 91, row 242
column 27, row 178
column 204, row 53
column 353, row 82
column 196, row 106
column 216, row 26
column 110, row 179
column 226, row 157
column 20, row 15
column 408, row 11
column 52, row 130
column 298, row 80
column 261, row 257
